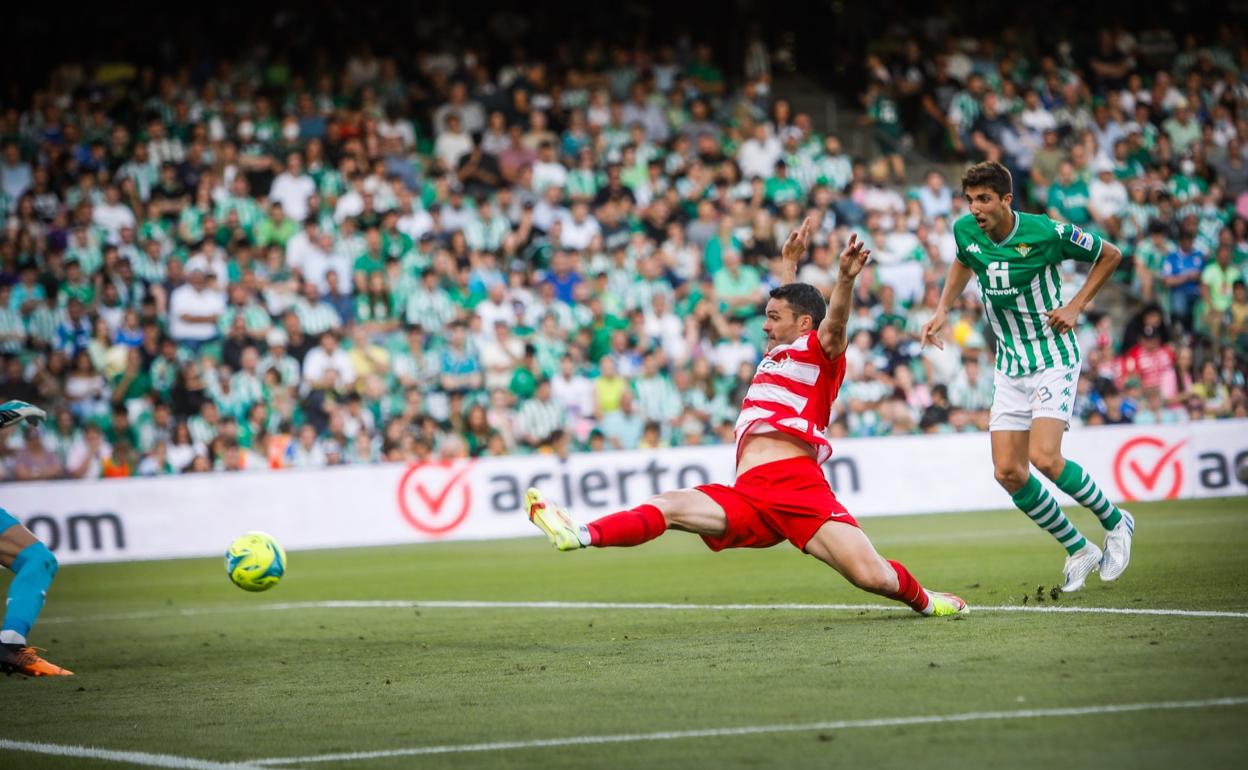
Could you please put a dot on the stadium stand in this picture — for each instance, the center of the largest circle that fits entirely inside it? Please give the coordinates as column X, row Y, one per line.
column 402, row 256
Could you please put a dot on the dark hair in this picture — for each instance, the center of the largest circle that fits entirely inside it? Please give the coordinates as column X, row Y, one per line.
column 990, row 174
column 804, row 299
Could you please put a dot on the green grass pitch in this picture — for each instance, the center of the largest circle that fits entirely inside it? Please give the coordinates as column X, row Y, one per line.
column 172, row 659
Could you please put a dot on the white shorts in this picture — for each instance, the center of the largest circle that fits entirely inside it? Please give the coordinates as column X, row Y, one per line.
column 1016, row 401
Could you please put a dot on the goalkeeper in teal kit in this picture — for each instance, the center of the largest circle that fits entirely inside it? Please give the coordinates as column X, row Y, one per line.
column 33, row 567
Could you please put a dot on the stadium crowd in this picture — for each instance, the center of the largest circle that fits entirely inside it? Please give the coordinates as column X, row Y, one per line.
column 260, row 266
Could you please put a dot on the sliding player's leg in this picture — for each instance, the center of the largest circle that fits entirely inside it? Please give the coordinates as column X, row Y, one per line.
column 689, row 510
column 849, row 551
column 33, row 567
column 1071, row 478
column 1010, row 457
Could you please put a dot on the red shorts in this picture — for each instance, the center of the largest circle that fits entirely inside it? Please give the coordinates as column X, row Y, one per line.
column 784, row 500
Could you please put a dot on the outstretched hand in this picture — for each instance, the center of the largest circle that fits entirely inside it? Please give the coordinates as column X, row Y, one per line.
column 15, row 412
column 854, row 257
column 930, row 334
column 795, row 245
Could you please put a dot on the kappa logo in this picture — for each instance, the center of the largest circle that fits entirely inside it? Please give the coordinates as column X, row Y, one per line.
column 1022, row 249
column 1060, row 228
column 973, row 248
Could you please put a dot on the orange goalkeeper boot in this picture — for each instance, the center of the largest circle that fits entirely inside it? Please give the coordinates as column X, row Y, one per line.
column 20, row 659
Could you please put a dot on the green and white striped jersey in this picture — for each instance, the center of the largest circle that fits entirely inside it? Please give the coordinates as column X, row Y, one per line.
column 657, row 398
column 1019, row 280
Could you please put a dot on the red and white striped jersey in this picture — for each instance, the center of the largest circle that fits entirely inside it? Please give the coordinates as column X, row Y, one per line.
column 792, row 392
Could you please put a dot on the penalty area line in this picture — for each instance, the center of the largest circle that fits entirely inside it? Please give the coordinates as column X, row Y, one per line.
column 132, row 758
column 227, row 609
column 844, row 724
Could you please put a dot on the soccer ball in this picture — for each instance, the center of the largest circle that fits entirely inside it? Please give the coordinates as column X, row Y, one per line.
column 255, row 562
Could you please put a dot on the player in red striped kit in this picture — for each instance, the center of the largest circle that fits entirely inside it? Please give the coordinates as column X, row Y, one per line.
column 780, row 492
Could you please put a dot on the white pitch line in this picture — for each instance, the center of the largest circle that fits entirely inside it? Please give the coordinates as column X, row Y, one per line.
column 139, row 758
column 844, row 724
column 552, row 605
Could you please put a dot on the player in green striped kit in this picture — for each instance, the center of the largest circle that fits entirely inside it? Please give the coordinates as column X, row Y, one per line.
column 1015, row 257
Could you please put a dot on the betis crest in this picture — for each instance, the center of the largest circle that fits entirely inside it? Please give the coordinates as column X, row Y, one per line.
column 1022, row 249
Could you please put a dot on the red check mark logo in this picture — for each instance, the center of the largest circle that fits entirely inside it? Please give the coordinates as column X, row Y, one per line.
column 1149, row 478
column 426, row 496
column 434, row 502
column 1147, row 469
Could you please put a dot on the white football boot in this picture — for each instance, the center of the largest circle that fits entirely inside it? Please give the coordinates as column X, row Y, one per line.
column 1079, row 565
column 1118, row 548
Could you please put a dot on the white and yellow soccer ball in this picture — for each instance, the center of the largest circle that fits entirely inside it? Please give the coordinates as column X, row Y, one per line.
column 255, row 562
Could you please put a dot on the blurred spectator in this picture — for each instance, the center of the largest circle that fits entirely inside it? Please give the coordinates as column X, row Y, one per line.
column 1152, row 362
column 1068, row 196
column 1107, row 195
column 759, row 153
column 882, row 116
column 540, row 416
column 1212, row 391
column 1181, row 273
column 1114, row 408
column 88, row 454
column 34, row 462
column 935, row 196
column 460, row 370
column 194, row 308
column 971, row 390
column 1217, row 283
column 623, row 427
column 1238, row 328
column 453, row 142
column 327, row 364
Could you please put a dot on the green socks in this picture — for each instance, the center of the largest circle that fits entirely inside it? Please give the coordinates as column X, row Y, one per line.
column 1035, row 501
column 1075, row 482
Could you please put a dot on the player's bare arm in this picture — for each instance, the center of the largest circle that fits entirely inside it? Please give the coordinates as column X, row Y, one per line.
column 1065, row 317
column 990, row 205
column 955, row 283
column 793, row 249
column 832, row 337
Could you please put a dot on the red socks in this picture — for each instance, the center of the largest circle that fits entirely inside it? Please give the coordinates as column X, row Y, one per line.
column 631, row 527
column 646, row 522
column 908, row 589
